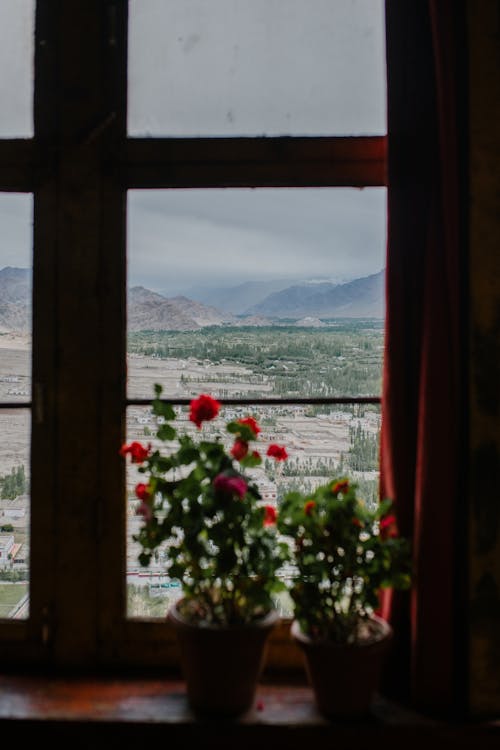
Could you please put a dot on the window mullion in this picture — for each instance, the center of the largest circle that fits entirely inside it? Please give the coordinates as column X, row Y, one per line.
column 77, row 120
column 262, row 162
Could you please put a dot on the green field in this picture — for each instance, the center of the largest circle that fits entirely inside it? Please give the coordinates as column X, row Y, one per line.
column 342, row 359
column 10, row 595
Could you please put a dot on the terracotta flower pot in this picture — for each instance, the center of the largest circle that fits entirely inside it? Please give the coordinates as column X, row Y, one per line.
column 345, row 678
column 221, row 665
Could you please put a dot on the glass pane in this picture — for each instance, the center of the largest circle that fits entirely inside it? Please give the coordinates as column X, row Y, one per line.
column 15, row 297
column 321, row 441
column 256, row 293
column 15, row 428
column 15, row 386
column 256, row 67
column 17, row 24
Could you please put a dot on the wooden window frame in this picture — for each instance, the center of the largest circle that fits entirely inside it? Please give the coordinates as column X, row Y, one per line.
column 79, row 165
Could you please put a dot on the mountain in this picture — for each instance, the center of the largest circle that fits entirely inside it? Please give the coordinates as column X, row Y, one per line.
column 151, row 311
column 148, row 310
column 361, row 298
column 15, row 299
column 236, row 299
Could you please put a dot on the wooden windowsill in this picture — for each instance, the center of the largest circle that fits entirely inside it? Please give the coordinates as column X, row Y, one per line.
column 86, row 711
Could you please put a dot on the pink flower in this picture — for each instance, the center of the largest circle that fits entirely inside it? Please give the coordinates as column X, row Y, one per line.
column 239, row 449
column 270, row 515
column 230, row 485
column 250, row 422
column 277, row 451
column 138, row 452
column 144, row 510
column 203, row 409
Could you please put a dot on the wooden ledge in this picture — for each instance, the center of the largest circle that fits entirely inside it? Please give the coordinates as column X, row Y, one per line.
column 94, row 712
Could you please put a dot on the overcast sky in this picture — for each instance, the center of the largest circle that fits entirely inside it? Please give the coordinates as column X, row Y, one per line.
column 230, row 67
column 256, row 67
column 221, row 237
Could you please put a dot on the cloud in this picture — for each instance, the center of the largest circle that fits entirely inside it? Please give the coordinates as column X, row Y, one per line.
column 178, row 238
column 316, row 68
column 17, row 23
column 16, row 237
column 251, row 68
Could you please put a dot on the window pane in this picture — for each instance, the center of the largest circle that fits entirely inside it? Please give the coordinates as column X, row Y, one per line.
column 17, row 22
column 15, row 297
column 256, row 293
column 15, row 386
column 321, row 441
column 256, row 67
column 15, row 429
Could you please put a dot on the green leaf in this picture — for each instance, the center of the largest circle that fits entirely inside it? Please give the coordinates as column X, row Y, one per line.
column 243, row 430
column 163, row 409
column 166, row 432
column 249, row 461
column 187, row 454
column 384, row 507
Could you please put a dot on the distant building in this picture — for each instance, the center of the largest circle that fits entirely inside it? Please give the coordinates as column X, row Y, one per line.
column 19, row 556
column 269, row 492
column 6, row 547
column 14, row 513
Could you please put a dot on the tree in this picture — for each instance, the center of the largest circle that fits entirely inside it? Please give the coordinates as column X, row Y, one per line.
column 13, row 484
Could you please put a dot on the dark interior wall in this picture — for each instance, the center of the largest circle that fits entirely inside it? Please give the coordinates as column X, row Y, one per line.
column 483, row 31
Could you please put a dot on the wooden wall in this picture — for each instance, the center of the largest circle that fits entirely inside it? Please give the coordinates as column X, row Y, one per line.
column 483, row 41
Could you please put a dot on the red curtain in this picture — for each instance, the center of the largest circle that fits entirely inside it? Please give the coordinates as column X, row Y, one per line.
column 421, row 412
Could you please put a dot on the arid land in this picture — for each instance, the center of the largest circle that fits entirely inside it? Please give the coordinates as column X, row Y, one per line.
column 317, row 443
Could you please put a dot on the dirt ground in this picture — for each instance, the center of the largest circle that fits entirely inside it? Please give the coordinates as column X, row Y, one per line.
column 15, row 386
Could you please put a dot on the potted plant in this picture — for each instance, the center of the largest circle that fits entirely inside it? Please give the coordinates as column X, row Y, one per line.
column 344, row 554
column 221, row 541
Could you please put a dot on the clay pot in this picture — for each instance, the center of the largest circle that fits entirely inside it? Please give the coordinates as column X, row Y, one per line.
column 345, row 677
column 221, row 665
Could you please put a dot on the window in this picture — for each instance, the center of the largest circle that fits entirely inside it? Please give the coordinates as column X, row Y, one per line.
column 15, row 404
column 248, row 294
column 16, row 209
column 84, row 171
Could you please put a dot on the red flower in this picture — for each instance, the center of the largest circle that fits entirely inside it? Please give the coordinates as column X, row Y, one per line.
column 250, row 422
column 203, row 409
column 309, row 507
column 270, row 515
column 255, row 454
column 239, row 449
column 388, row 528
column 142, row 491
column 228, row 485
column 138, row 452
column 277, row 451
column 342, row 486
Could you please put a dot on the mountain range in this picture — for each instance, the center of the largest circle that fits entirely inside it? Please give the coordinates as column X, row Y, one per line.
column 360, row 298
column 237, row 299
column 307, row 303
